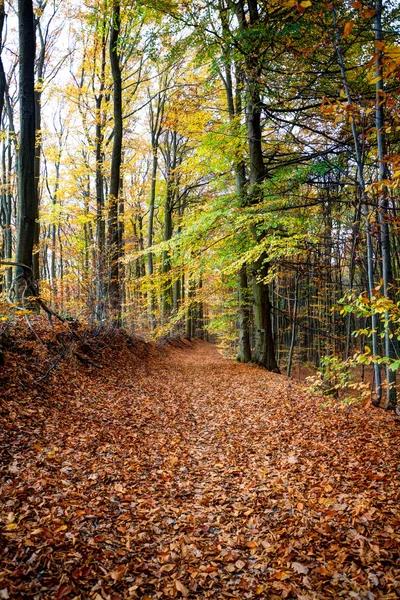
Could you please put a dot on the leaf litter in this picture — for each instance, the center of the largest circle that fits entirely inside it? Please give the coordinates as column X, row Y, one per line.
column 185, row 475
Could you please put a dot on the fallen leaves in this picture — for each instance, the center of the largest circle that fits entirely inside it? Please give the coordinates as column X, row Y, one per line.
column 187, row 476
column 299, row 568
column 181, row 588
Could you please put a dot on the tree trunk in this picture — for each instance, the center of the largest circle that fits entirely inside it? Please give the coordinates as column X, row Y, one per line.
column 264, row 349
column 27, row 202
column 190, row 320
column 156, row 113
column 384, row 218
column 150, row 233
column 38, row 146
column 244, row 350
column 99, row 177
column 234, row 104
column 361, row 186
column 167, row 235
column 293, row 336
column 115, row 179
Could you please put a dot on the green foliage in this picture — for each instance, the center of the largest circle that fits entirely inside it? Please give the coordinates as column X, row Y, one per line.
column 388, row 313
column 337, row 379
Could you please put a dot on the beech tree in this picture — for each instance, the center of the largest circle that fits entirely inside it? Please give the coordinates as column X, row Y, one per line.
column 27, row 198
column 115, row 204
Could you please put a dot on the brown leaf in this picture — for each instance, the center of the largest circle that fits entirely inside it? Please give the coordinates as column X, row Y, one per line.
column 299, row 568
column 181, row 588
column 64, row 590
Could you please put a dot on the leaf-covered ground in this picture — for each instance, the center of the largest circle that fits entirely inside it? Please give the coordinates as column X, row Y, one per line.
column 188, row 475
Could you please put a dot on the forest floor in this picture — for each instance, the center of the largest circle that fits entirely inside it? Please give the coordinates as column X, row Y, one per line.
column 178, row 473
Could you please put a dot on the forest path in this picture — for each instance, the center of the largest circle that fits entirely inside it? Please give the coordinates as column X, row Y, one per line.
column 189, row 475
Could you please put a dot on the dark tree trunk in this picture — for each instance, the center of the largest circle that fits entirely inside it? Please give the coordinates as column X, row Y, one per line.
column 115, row 179
column 27, row 202
column 171, row 160
column 190, row 314
column 244, row 350
column 99, row 177
column 264, row 348
column 294, row 323
column 38, row 147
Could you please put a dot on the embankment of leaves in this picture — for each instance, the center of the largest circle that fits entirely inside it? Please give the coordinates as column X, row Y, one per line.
column 34, row 356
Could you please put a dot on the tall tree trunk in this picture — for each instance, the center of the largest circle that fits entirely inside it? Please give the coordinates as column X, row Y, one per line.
column 156, row 117
column 99, row 178
column 38, row 144
column 27, row 202
column 167, row 235
column 121, row 249
column 115, row 179
column 355, row 231
column 234, row 103
column 6, row 193
column 294, row 323
column 150, row 234
column 53, row 232
column 384, row 218
column 264, row 349
column 8, row 207
column 361, row 186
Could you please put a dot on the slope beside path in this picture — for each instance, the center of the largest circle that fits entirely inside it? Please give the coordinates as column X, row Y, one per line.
column 188, row 475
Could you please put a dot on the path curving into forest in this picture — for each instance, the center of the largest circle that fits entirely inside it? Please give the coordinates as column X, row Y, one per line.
column 189, row 475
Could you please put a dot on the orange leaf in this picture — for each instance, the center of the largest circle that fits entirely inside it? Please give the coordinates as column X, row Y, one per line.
column 282, row 575
column 348, row 28
column 368, row 13
column 259, row 590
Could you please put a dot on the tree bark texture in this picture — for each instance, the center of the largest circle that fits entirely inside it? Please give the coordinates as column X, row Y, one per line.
column 115, row 179
column 27, row 202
